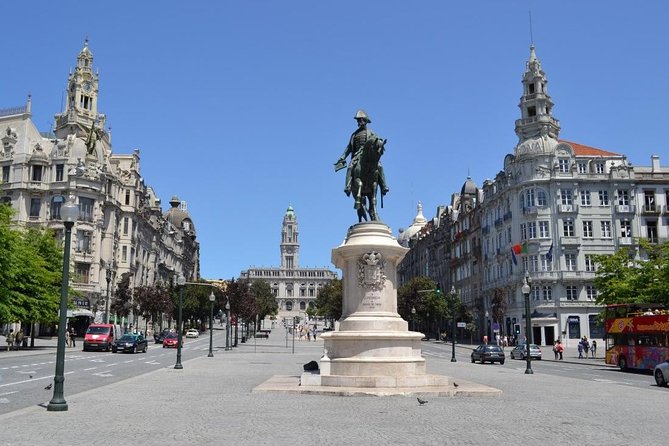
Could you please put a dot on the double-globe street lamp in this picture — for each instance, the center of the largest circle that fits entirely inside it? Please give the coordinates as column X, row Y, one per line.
column 525, row 289
column 212, row 298
column 69, row 213
column 180, row 280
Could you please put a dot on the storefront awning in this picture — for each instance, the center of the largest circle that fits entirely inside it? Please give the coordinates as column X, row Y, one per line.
column 80, row 312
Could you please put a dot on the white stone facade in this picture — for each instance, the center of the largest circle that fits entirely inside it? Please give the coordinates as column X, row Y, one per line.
column 121, row 226
column 295, row 288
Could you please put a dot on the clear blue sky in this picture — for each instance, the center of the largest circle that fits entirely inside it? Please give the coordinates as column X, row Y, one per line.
column 241, row 108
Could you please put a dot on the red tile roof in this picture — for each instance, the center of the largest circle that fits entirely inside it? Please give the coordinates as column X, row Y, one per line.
column 581, row 150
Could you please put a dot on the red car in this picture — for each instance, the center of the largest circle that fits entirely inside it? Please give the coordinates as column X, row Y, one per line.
column 171, row 341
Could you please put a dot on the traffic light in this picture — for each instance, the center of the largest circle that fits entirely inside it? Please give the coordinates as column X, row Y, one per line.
column 516, row 329
column 437, row 289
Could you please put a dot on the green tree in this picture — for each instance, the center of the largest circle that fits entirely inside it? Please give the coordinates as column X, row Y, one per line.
column 329, row 300
column 123, row 303
column 623, row 278
column 30, row 272
column 266, row 302
column 431, row 306
column 153, row 301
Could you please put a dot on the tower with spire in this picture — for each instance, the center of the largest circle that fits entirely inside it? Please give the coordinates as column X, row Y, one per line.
column 535, row 104
column 80, row 116
column 290, row 246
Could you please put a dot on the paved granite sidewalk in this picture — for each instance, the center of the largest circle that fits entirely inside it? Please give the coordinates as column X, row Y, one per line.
column 212, row 401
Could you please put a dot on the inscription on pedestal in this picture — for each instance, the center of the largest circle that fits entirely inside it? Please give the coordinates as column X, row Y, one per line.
column 371, row 301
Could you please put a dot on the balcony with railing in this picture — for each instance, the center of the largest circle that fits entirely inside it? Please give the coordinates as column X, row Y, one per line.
column 507, row 216
column 530, row 210
column 625, row 208
column 650, row 209
column 625, row 241
column 567, row 208
column 499, row 222
column 570, row 241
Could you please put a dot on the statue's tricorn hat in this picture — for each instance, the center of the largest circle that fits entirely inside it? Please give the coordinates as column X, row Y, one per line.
column 360, row 114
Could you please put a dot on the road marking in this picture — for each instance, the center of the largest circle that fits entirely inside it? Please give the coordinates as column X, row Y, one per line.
column 110, row 365
column 152, row 362
column 9, row 393
column 31, row 380
column 4, row 401
column 28, row 372
column 97, row 360
column 103, row 375
column 126, row 362
column 90, row 368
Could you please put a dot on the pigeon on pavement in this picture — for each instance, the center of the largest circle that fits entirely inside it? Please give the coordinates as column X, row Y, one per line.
column 455, row 384
column 421, row 402
column 48, row 387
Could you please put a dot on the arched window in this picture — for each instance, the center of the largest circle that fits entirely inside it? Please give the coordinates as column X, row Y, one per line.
column 289, row 306
column 303, row 305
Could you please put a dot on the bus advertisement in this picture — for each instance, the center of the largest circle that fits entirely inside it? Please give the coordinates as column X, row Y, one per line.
column 636, row 339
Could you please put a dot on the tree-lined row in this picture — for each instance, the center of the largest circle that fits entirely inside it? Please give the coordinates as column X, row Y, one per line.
column 249, row 301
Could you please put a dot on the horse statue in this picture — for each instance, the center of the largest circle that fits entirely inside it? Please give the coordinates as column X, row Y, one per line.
column 365, row 172
column 365, row 180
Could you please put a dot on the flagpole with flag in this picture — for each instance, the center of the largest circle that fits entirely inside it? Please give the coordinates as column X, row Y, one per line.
column 549, row 255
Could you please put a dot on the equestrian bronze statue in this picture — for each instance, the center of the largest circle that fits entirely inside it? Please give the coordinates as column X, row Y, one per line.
column 365, row 172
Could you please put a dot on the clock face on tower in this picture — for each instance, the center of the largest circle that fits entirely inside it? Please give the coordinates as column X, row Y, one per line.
column 86, row 86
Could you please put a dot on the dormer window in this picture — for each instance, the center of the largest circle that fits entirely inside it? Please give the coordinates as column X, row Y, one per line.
column 37, row 173
column 563, row 165
column 599, row 167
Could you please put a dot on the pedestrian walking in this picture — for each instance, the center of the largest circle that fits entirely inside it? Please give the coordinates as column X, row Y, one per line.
column 580, row 350
column 73, row 335
column 10, row 339
column 560, row 349
column 313, row 333
column 555, row 350
column 67, row 338
column 593, row 349
column 19, row 339
column 586, row 347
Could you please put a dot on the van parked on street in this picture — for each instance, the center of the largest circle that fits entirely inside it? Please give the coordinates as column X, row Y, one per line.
column 101, row 336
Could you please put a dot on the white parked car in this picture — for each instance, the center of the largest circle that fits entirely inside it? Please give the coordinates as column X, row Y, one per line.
column 192, row 333
column 661, row 373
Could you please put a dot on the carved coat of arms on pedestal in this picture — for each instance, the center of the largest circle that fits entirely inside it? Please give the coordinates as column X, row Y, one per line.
column 371, row 271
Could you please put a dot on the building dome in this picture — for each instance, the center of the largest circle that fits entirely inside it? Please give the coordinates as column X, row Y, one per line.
column 290, row 213
column 418, row 222
column 178, row 217
column 39, row 156
column 469, row 188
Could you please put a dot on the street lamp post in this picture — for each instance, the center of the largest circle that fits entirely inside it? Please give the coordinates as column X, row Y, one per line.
column 69, row 213
column 454, row 295
column 108, row 276
column 180, row 281
column 525, row 289
column 413, row 318
column 212, row 298
column 227, row 325
column 485, row 329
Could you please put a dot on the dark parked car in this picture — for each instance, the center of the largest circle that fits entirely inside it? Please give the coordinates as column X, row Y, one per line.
column 130, row 342
column 491, row 353
column 158, row 337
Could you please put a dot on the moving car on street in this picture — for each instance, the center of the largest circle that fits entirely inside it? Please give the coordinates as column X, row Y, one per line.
column 192, row 333
column 171, row 341
column 130, row 342
column 520, row 352
column 158, row 337
column 661, row 373
column 490, row 353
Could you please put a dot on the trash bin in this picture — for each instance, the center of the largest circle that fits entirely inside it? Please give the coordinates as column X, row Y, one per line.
column 243, row 339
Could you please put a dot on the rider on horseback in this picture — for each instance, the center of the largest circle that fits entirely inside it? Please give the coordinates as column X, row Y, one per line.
column 355, row 148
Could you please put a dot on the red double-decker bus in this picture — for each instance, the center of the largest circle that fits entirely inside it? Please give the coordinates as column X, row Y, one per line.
column 637, row 335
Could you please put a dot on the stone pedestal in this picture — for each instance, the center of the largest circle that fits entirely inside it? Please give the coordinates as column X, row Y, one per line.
column 373, row 347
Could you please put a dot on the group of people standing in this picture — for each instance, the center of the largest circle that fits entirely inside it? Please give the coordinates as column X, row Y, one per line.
column 15, row 341
column 589, row 349
column 70, row 337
